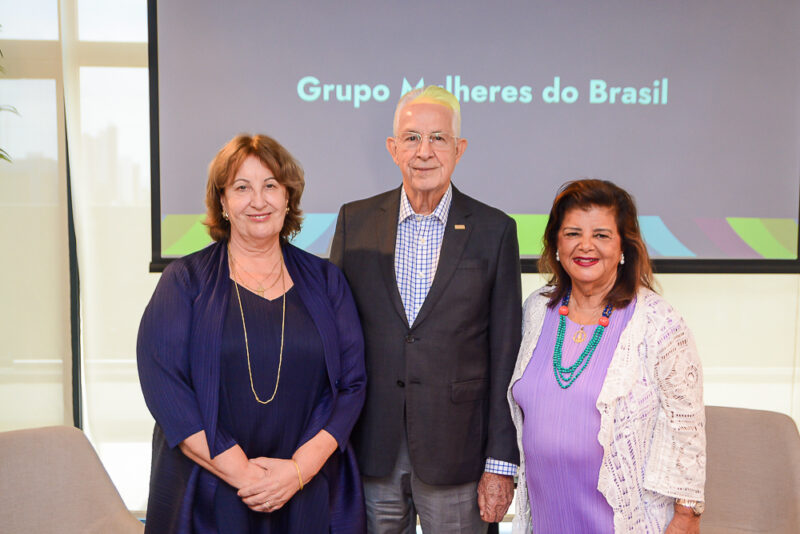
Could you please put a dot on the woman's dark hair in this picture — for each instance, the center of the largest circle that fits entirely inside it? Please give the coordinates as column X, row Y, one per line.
column 226, row 163
column 584, row 194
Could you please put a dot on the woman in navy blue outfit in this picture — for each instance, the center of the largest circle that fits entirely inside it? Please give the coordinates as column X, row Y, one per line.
column 251, row 360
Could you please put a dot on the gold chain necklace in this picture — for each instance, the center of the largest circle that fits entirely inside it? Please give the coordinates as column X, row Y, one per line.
column 260, row 290
column 244, row 328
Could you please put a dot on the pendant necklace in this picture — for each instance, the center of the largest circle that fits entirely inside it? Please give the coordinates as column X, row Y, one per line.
column 259, row 289
column 566, row 376
column 244, row 328
column 579, row 336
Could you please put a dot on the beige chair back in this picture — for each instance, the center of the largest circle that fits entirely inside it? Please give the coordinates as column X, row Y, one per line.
column 753, row 472
column 51, row 481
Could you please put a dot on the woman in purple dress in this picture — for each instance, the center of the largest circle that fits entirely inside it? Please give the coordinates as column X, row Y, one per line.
column 607, row 392
column 251, row 360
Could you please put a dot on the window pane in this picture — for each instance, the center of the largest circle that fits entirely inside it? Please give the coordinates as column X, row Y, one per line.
column 31, row 132
column 120, row 20
column 116, row 142
column 34, row 278
column 29, row 19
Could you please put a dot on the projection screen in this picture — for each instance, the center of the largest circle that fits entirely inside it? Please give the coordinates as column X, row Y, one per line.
column 693, row 107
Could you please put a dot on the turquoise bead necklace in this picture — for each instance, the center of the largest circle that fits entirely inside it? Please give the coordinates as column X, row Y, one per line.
column 566, row 376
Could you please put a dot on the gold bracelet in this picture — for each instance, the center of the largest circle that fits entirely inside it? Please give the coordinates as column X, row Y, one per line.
column 299, row 476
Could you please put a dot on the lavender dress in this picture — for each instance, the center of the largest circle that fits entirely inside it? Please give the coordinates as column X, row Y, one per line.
column 560, row 427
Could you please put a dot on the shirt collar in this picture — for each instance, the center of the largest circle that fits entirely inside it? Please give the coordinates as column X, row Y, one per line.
column 441, row 211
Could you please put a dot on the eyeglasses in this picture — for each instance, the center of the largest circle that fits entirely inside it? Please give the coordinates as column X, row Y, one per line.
column 412, row 140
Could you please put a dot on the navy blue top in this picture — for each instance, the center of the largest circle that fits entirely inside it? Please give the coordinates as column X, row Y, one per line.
column 179, row 352
column 274, row 429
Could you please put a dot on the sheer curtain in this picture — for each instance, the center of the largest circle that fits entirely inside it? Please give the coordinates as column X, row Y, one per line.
column 78, row 66
column 104, row 54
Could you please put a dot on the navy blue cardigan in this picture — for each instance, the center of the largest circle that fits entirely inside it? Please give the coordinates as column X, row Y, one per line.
column 178, row 351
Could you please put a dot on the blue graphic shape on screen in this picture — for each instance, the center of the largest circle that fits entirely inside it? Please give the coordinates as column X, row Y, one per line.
column 659, row 237
column 315, row 226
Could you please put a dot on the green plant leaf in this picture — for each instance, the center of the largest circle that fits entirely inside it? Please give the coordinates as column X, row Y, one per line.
column 3, row 154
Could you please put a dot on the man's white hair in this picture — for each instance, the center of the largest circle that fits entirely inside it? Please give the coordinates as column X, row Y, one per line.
column 432, row 94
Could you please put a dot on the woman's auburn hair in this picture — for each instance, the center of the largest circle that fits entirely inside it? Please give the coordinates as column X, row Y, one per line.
column 222, row 169
column 583, row 194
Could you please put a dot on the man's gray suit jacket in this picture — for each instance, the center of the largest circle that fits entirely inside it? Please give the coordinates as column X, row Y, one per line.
column 446, row 375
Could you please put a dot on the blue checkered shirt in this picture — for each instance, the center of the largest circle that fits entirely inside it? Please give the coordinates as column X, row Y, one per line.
column 416, row 251
column 416, row 257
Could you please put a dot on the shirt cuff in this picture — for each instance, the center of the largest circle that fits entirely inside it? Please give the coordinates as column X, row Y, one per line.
column 500, row 467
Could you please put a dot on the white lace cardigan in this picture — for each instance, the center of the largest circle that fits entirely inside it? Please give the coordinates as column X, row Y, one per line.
column 652, row 418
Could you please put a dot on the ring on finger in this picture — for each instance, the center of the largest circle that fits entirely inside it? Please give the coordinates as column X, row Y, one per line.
column 267, row 504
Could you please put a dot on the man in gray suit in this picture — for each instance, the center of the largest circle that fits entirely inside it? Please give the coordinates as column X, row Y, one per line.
column 436, row 279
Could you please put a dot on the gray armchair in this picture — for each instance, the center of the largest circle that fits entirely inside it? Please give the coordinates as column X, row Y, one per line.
column 51, row 481
column 753, row 473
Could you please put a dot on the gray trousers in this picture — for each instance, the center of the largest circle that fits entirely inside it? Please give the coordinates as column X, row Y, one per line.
column 393, row 503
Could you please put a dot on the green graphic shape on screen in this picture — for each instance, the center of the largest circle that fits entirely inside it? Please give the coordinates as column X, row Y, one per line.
column 183, row 234
column 530, row 229
column 771, row 238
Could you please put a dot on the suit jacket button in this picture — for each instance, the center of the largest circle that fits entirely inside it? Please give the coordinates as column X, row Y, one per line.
column 401, row 383
column 410, row 339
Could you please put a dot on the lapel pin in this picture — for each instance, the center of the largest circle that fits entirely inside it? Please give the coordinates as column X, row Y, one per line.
column 460, row 227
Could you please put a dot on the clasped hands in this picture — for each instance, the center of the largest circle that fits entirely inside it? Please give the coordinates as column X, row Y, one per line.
column 268, row 484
